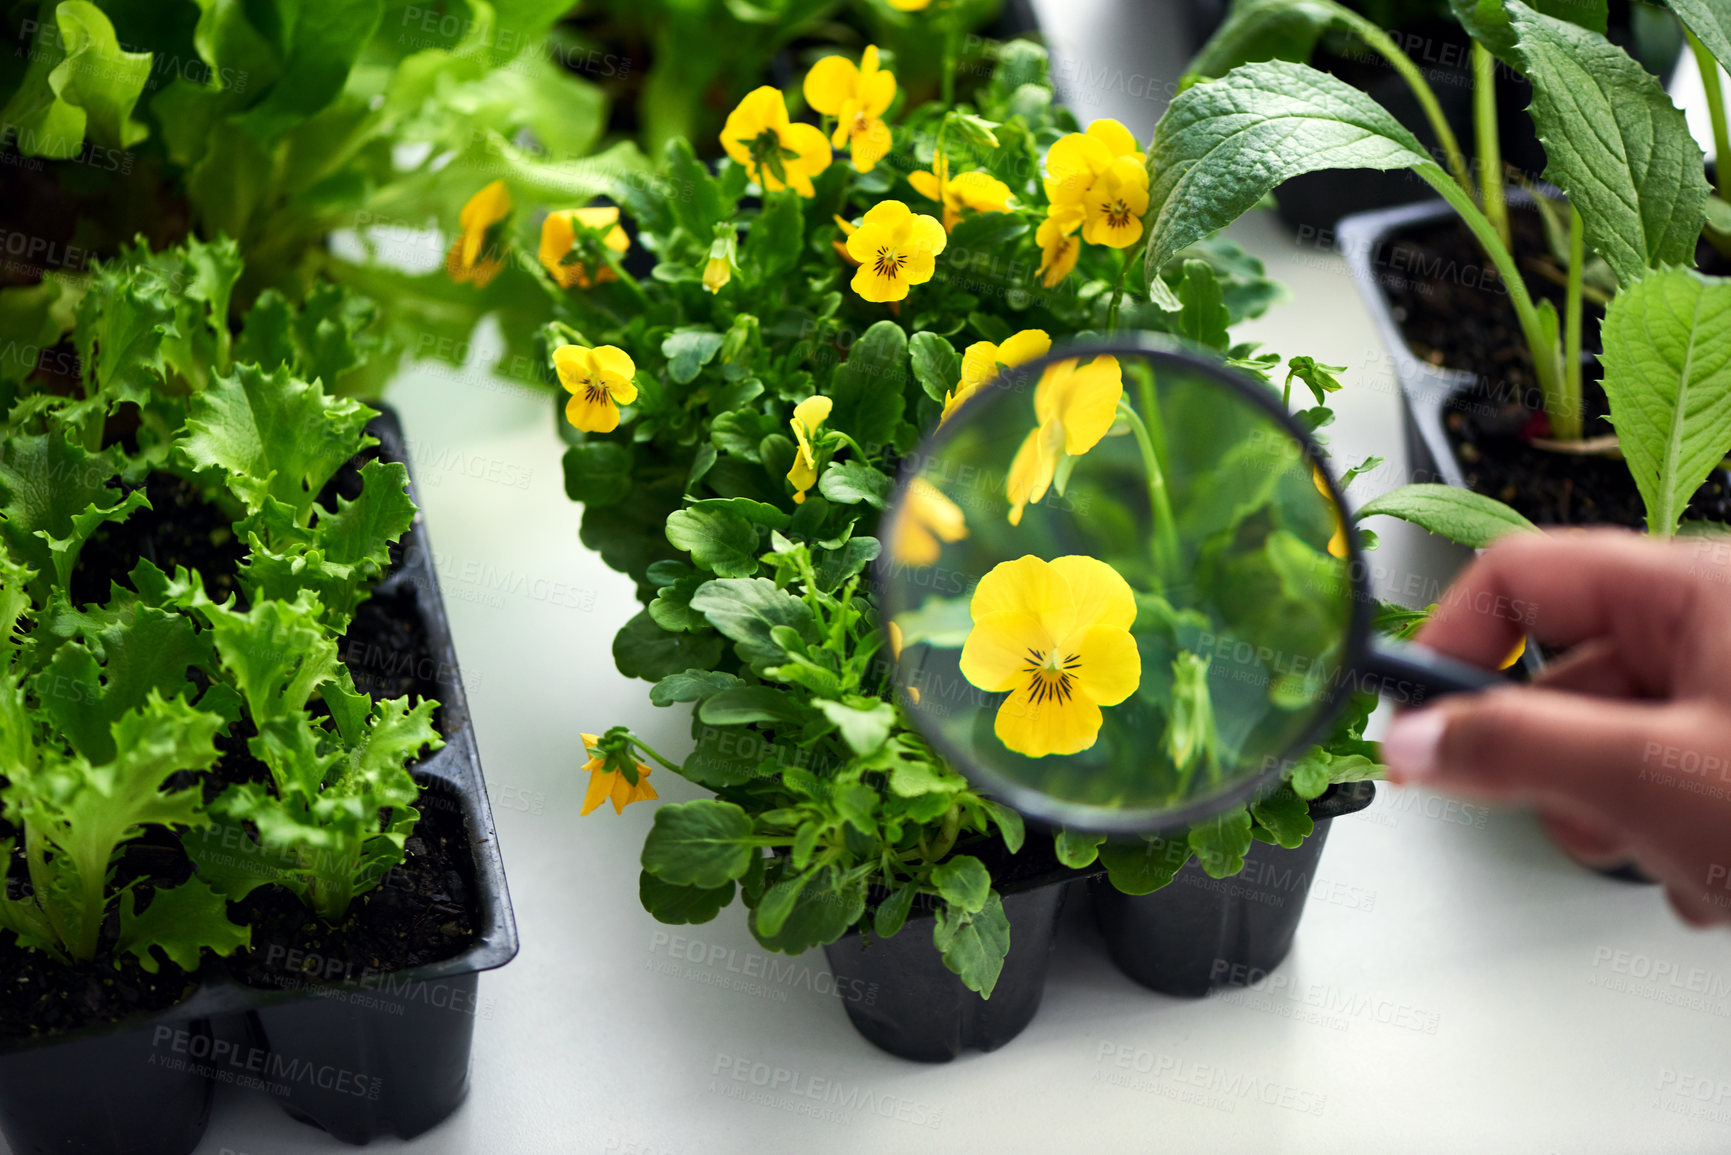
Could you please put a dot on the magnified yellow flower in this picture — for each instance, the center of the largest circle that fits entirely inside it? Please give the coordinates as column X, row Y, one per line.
column 977, row 191
column 910, row 5
column 1059, row 248
column 1075, row 405
column 599, row 381
column 895, row 633
column 928, row 518
column 561, row 253
column 479, row 253
column 807, row 416
column 1056, row 636
column 1514, row 654
column 857, row 98
column 1075, row 162
column 1113, row 208
column 776, row 154
column 896, row 248
column 981, row 360
column 1337, row 545
column 605, row 784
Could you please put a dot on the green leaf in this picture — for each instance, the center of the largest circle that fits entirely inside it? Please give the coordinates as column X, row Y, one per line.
column 824, row 910
column 863, row 728
column 1460, row 515
column 1077, row 848
column 744, row 704
column 910, row 779
column 1667, row 376
column 1265, row 30
column 772, row 243
column 182, row 922
column 892, row 913
column 1202, row 317
column 1321, row 381
column 598, row 473
column 320, row 41
column 867, row 387
column 79, row 84
column 53, row 496
column 642, row 649
column 777, row 904
column 835, row 566
column 974, row 945
column 692, row 686
column 688, row 351
column 704, row 843
column 275, row 437
column 937, row 365
column 1285, row 816
column 718, row 540
column 963, row 881
column 681, row 905
column 1221, row 844
column 745, row 610
column 852, row 482
column 1221, row 147
column 1615, row 144
column 1487, row 21
column 1711, row 24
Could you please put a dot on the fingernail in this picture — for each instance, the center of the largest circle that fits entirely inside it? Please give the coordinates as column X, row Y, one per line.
column 1409, row 748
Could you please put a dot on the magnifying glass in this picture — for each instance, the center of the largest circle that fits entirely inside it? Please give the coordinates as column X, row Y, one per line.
column 1123, row 594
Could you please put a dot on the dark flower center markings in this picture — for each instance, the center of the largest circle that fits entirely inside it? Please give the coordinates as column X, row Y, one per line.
column 889, row 263
column 595, row 393
column 1052, row 675
column 1118, row 214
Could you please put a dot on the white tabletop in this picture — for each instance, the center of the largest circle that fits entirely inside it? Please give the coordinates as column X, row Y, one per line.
column 1456, row 984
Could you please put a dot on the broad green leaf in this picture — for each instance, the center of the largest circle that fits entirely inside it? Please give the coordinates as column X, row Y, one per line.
column 1710, row 21
column 937, row 365
column 1668, row 378
column 53, row 496
column 777, row 904
column 974, row 945
column 1487, row 21
column 598, row 473
column 746, row 610
column 1266, row 30
column 1223, row 146
column 892, row 913
column 1285, row 816
column 852, row 482
column 1202, row 318
column 319, row 41
column 718, row 540
column 681, row 905
column 642, row 649
column 1472, row 519
column 704, row 843
column 964, row 881
column 1221, row 844
column 688, row 351
column 867, row 387
column 1615, row 144
column 824, row 910
column 182, row 922
column 1076, row 848
column 80, row 83
column 864, row 729
column 692, row 686
column 772, row 245
column 744, row 704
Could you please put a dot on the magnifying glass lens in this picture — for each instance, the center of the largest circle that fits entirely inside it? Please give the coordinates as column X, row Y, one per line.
column 1119, row 590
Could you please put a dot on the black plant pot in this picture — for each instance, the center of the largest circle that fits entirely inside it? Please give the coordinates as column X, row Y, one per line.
column 359, row 1054
column 1425, row 389
column 1197, row 933
column 909, row 1004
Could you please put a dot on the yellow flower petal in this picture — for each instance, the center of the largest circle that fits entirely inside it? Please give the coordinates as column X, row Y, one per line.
column 1033, row 468
column 813, row 411
column 1027, row 585
column 600, row 786
column 995, row 655
column 871, row 143
column 593, row 415
column 1020, row 348
column 1514, row 654
column 927, row 519
column 1058, row 251
column 1119, row 141
column 830, row 83
column 1109, row 667
column 1100, row 594
column 1082, row 400
column 483, row 210
column 1049, row 725
column 926, row 184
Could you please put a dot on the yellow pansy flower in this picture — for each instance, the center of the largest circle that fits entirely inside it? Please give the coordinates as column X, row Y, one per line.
column 910, row 5
column 718, row 269
column 978, row 191
column 1056, row 637
column 776, row 154
column 981, row 360
column 599, row 381
column 1059, row 248
column 895, row 248
column 848, row 229
column 927, row 518
column 807, row 416
column 1113, row 208
column 560, row 249
column 1075, row 162
column 479, row 253
column 607, row 784
column 1074, row 405
column 857, row 97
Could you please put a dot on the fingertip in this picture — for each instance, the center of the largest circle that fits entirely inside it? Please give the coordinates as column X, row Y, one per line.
column 1410, row 748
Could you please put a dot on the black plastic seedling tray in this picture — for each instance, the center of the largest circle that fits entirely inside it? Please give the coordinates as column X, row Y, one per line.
column 360, row 1056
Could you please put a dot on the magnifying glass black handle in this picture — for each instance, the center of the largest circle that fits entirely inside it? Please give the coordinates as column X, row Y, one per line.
column 1410, row 675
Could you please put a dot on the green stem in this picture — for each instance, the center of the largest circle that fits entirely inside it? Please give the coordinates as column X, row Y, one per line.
column 952, row 31
column 1165, row 532
column 1709, row 69
column 1571, row 400
column 639, row 744
column 1379, row 40
column 1489, row 145
column 1547, row 358
column 1118, row 288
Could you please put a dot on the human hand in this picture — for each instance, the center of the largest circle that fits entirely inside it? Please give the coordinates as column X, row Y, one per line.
column 1624, row 744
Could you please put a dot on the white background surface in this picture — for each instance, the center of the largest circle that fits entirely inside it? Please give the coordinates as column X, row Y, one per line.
column 1459, row 922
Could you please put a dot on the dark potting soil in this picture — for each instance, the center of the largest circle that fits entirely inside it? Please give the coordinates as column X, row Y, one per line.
column 40, row 996
column 387, row 652
column 1450, row 318
column 181, row 527
column 422, row 913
